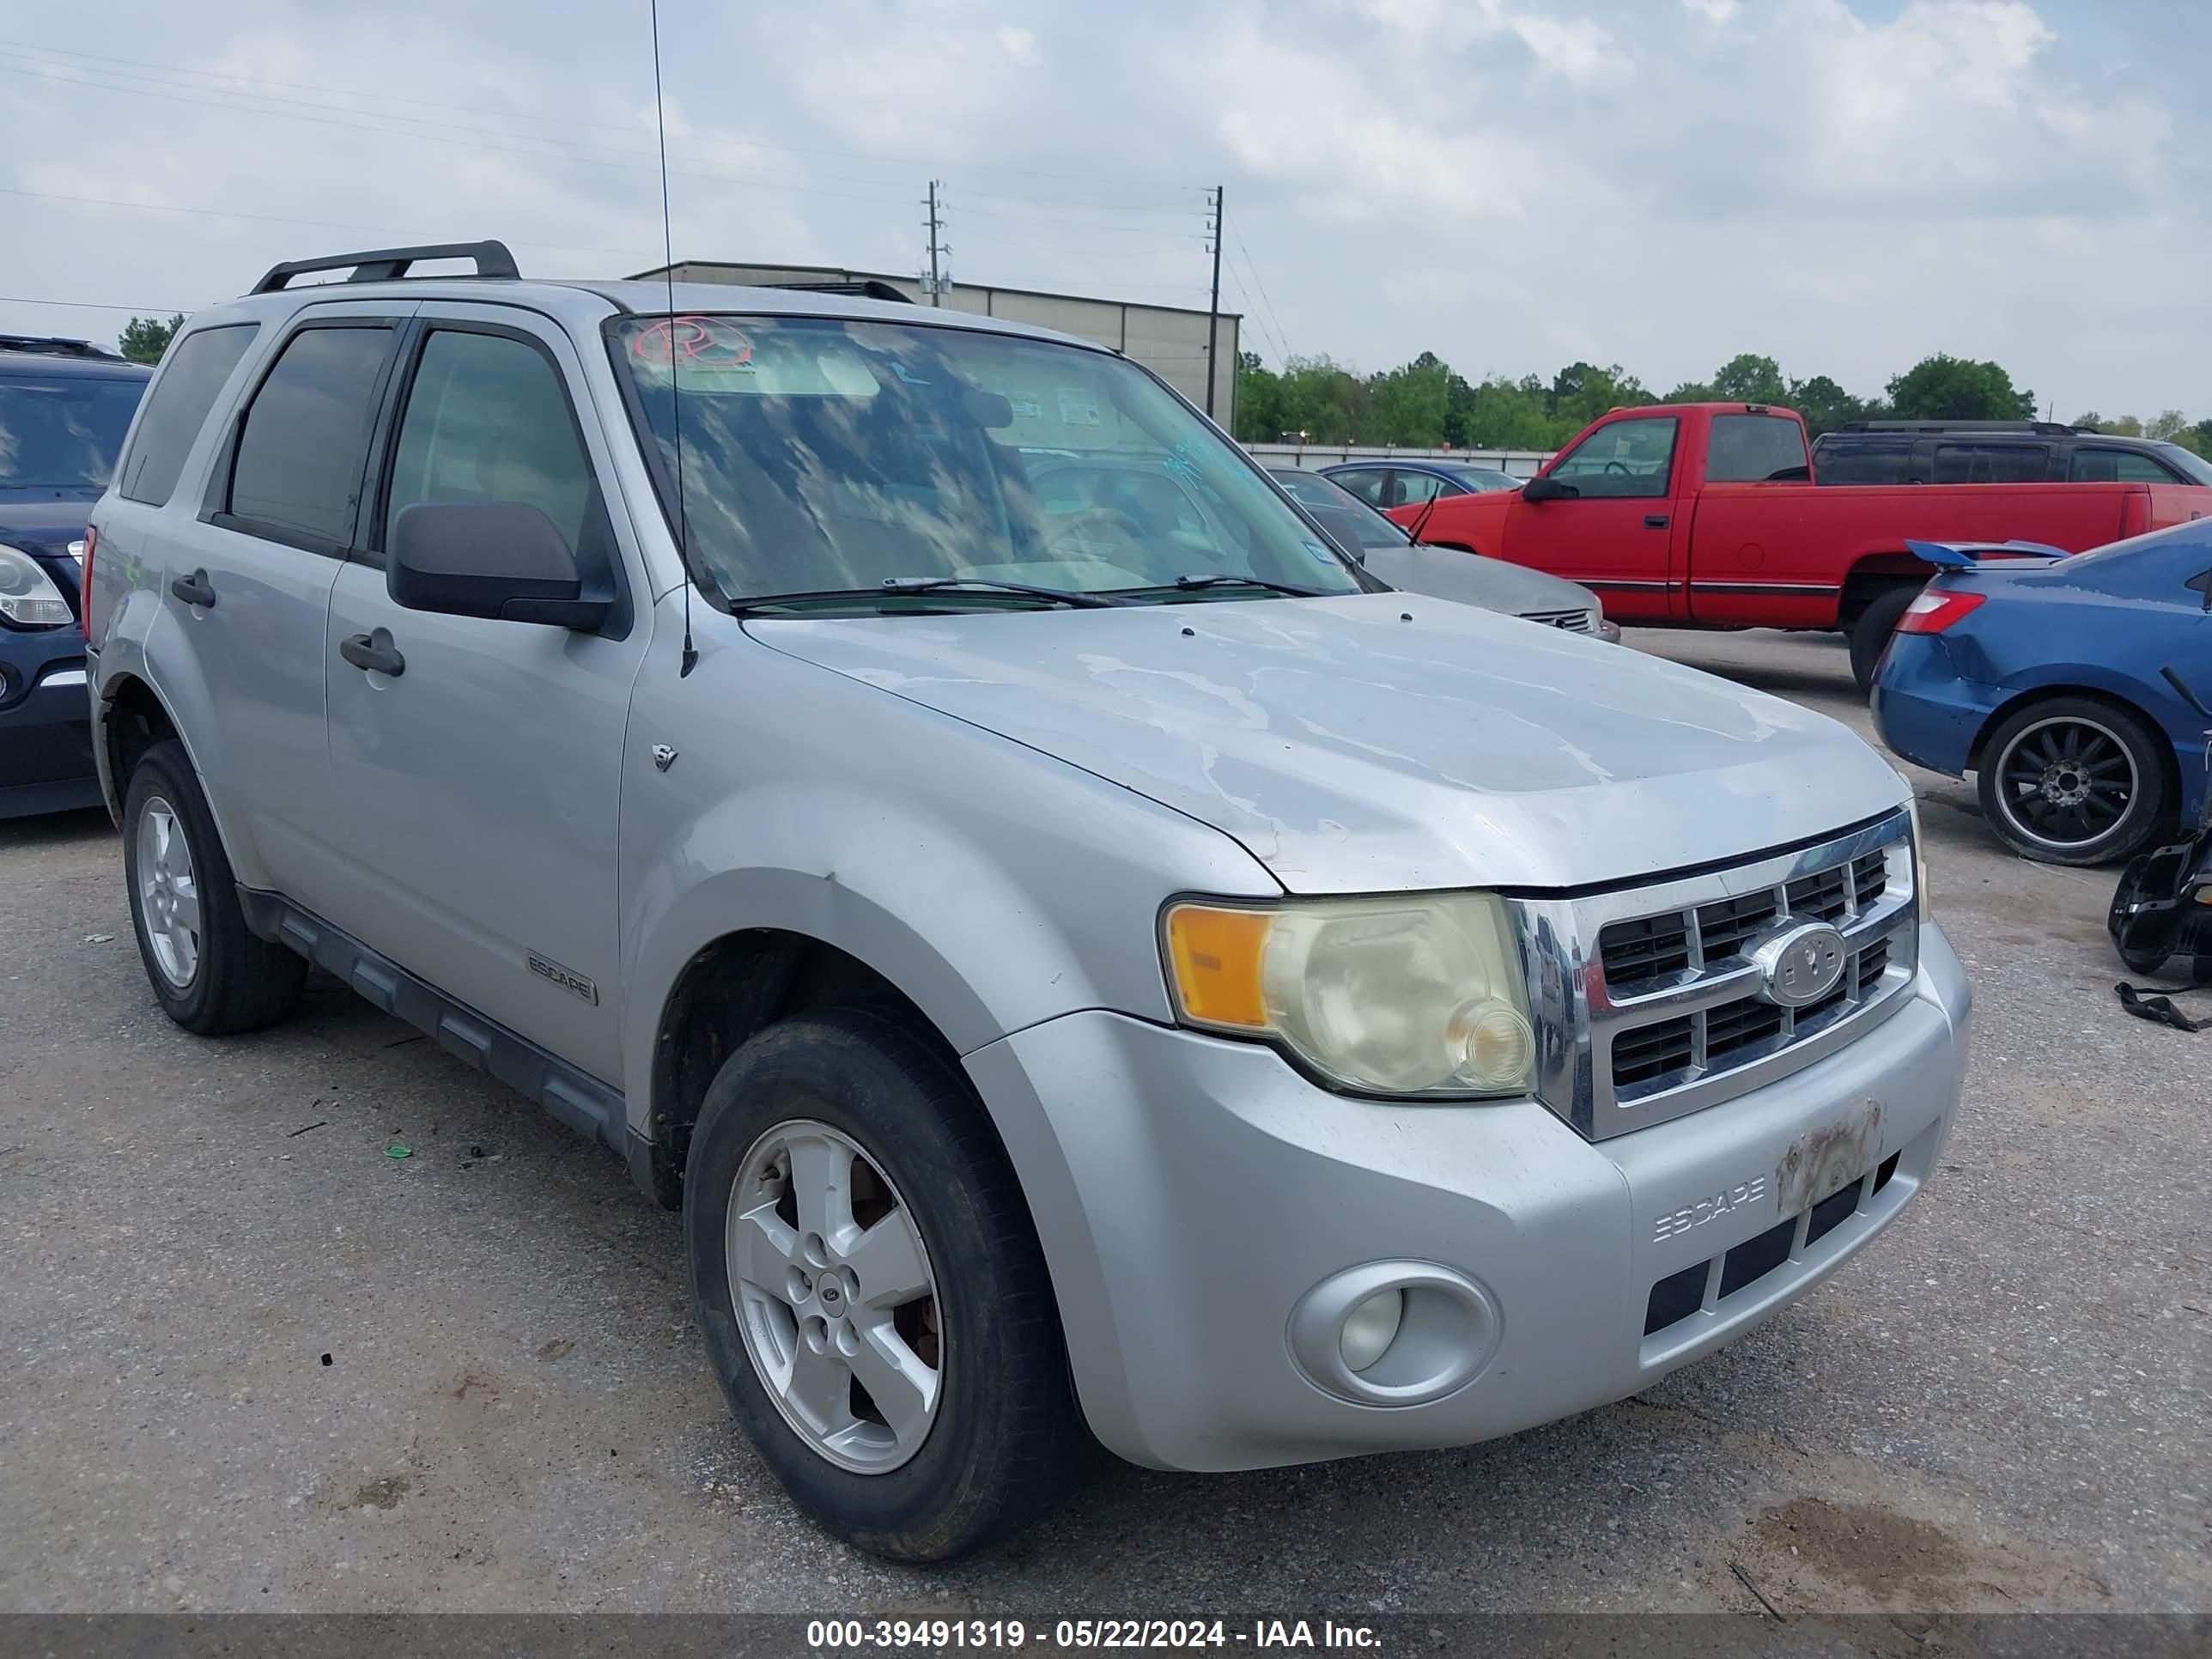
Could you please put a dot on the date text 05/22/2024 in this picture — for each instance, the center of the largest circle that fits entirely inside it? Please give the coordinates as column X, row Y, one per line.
column 832, row 1635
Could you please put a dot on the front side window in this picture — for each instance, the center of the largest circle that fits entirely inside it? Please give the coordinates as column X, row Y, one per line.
column 2117, row 466
column 824, row 456
column 1630, row 458
column 196, row 370
column 62, row 431
column 1753, row 448
column 305, row 440
column 1984, row 463
column 488, row 420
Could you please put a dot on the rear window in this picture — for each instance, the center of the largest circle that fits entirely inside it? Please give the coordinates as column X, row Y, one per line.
column 1875, row 461
column 1753, row 448
column 183, row 392
column 61, row 431
column 306, row 439
column 2001, row 464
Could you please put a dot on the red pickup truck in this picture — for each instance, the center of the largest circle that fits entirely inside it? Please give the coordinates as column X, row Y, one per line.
column 1705, row 515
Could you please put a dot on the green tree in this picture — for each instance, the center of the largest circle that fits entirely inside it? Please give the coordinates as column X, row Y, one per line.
column 1748, row 379
column 1825, row 405
column 145, row 339
column 1942, row 388
column 1581, row 391
column 1325, row 402
column 1411, row 404
column 1503, row 413
column 2167, row 425
column 1259, row 401
column 2091, row 421
column 1692, row 392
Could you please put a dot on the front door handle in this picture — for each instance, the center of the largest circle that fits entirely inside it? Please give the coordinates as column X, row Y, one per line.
column 373, row 652
column 194, row 589
column 1654, row 521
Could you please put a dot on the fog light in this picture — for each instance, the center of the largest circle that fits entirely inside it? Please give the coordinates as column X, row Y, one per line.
column 1370, row 1328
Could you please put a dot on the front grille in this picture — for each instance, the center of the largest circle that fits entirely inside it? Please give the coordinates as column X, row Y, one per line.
column 1574, row 622
column 1675, row 1013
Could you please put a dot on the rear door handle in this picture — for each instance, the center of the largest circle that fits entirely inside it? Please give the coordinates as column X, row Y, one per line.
column 373, row 652
column 194, row 589
column 1654, row 521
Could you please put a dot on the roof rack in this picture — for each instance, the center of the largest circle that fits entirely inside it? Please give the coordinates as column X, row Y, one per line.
column 385, row 264
column 867, row 288
column 2049, row 428
column 55, row 345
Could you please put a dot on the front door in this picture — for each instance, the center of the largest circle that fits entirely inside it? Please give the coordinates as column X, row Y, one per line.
column 1615, row 534
column 477, row 789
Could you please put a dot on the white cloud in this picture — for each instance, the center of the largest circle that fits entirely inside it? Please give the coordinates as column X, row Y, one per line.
column 1713, row 11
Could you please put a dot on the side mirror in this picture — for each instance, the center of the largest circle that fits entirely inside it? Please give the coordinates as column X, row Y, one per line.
column 1543, row 488
column 504, row 561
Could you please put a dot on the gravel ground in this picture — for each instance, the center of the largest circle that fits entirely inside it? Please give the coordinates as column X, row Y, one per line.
column 257, row 1365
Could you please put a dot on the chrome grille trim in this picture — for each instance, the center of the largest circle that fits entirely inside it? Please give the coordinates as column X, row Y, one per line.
column 1574, row 622
column 1580, row 1018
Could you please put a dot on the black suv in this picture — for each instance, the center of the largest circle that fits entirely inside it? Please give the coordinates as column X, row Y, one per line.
column 1996, row 452
column 64, row 406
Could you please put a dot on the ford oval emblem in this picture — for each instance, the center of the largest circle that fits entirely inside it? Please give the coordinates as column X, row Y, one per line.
column 1801, row 963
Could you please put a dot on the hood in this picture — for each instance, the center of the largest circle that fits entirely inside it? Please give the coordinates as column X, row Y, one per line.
column 1351, row 750
column 1445, row 573
column 44, row 521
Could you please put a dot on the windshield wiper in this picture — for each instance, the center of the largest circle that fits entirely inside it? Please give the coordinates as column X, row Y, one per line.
column 895, row 586
column 1194, row 584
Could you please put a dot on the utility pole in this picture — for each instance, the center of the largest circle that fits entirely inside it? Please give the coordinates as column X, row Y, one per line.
column 1214, row 306
column 935, row 225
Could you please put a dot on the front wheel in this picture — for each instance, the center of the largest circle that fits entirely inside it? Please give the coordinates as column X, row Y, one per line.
column 871, row 1292
column 2073, row 780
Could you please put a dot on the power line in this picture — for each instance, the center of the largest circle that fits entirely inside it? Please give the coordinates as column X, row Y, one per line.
column 279, row 219
column 571, row 122
column 87, row 305
column 1252, row 266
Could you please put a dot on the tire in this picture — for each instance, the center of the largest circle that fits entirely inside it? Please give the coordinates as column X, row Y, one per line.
column 1870, row 633
column 2073, row 780
column 996, row 1438
column 209, row 973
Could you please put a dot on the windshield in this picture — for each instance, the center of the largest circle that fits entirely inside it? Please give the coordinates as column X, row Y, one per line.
column 2191, row 466
column 63, row 433
column 1310, row 489
column 1482, row 479
column 821, row 455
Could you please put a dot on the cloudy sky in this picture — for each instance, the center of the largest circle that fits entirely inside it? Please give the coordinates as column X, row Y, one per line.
column 1845, row 185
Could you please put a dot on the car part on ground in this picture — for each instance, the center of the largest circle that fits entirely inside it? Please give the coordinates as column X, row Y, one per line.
column 995, row 877
column 2161, row 910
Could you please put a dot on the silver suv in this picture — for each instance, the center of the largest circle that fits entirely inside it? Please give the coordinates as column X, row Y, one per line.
column 1086, row 960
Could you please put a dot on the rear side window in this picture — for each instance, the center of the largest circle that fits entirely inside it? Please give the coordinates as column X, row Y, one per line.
column 176, row 407
column 305, row 440
column 2117, row 466
column 488, row 420
column 1877, row 461
column 1366, row 483
column 1753, row 448
column 1984, row 463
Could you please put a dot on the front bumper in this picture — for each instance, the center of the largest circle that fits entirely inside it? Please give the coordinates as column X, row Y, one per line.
column 46, row 727
column 1191, row 1191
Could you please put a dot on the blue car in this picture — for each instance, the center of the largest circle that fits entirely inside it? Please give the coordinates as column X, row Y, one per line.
column 2041, row 674
column 64, row 407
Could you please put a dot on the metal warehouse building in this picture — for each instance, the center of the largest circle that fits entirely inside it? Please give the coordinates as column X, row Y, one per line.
column 1166, row 339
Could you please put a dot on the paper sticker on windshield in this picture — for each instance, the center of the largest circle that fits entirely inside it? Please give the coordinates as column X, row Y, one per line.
column 1320, row 554
column 1079, row 406
column 695, row 347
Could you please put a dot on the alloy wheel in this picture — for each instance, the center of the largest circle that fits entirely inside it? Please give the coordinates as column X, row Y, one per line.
column 2066, row 782
column 168, row 893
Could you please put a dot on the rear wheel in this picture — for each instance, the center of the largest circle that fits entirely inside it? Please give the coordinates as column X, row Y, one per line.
column 871, row 1290
column 1870, row 633
column 210, row 974
column 2073, row 780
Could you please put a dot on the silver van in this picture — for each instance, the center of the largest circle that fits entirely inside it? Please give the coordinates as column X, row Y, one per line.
column 1085, row 967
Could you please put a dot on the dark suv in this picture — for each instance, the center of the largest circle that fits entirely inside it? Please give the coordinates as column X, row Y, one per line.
column 64, row 406
column 1996, row 452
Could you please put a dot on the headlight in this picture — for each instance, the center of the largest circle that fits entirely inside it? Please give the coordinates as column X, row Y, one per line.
column 1922, row 903
column 1420, row 995
column 29, row 598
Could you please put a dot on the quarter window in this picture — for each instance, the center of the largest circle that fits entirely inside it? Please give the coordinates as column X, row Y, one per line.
column 488, row 420
column 305, row 441
column 184, row 391
column 1629, row 459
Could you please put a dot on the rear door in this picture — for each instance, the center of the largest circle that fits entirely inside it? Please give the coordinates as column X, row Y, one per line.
column 249, row 583
column 475, row 793
column 1616, row 534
